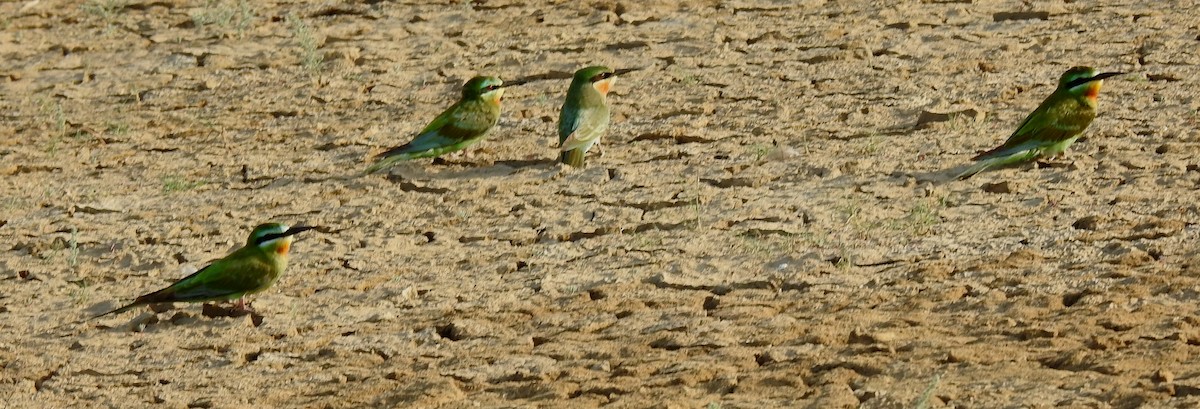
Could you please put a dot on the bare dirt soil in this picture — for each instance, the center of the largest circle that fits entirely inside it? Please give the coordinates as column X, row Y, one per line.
column 772, row 223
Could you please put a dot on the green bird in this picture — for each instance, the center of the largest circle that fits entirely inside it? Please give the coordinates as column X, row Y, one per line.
column 458, row 127
column 1053, row 126
column 584, row 116
column 248, row 270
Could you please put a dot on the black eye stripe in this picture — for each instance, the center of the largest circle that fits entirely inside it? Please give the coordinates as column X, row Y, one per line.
column 1079, row 81
column 270, row 237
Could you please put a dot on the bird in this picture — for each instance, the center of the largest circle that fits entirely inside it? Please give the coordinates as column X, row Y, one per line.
column 458, row 127
column 248, row 270
column 1051, row 128
column 585, row 114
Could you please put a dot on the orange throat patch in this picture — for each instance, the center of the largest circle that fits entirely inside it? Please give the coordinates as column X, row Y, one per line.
column 604, row 85
column 1094, row 90
column 283, row 247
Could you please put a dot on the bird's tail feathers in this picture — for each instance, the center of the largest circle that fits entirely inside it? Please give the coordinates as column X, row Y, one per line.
column 127, row 307
column 997, row 162
column 975, row 169
column 164, row 295
column 387, row 162
column 573, row 157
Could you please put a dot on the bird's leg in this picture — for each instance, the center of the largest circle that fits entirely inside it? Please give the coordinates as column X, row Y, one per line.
column 1056, row 160
column 243, row 306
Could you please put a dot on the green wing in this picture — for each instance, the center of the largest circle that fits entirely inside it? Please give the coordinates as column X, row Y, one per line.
column 583, row 120
column 242, row 272
column 456, row 128
column 442, row 119
column 1055, row 121
column 226, row 279
column 587, row 125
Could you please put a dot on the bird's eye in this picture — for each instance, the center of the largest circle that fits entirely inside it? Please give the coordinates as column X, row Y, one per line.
column 490, row 88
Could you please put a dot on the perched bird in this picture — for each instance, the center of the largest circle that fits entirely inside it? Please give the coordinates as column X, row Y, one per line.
column 584, row 116
column 247, row 270
column 459, row 126
column 1053, row 126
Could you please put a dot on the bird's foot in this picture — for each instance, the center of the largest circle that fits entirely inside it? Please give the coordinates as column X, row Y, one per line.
column 238, row 309
column 244, row 306
column 1052, row 164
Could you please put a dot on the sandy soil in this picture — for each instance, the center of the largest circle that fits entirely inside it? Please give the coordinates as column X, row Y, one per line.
column 771, row 224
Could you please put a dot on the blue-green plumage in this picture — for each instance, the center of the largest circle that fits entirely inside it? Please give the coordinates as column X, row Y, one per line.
column 248, row 270
column 585, row 113
column 461, row 125
column 1051, row 128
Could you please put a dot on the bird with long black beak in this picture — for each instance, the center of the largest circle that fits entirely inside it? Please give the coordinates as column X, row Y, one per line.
column 1053, row 126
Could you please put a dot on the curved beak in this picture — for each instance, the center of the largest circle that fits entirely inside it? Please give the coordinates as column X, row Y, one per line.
column 623, row 71
column 1098, row 77
column 290, row 231
column 1101, row 76
column 518, row 81
column 296, row 229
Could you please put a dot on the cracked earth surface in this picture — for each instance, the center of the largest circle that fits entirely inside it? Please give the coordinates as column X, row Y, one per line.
column 772, row 222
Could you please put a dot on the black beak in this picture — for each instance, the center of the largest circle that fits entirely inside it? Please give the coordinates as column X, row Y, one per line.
column 518, row 81
column 624, row 71
column 290, row 231
column 1097, row 77
column 296, row 229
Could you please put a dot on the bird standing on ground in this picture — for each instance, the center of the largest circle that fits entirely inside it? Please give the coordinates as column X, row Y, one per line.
column 1053, row 126
column 458, row 127
column 584, row 116
column 248, row 270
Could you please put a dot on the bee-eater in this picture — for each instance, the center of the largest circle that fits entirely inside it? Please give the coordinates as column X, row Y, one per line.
column 248, row 270
column 459, row 126
column 1053, row 126
column 584, row 116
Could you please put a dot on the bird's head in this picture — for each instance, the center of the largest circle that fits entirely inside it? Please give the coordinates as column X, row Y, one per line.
column 600, row 77
column 274, row 237
column 487, row 88
column 1083, row 81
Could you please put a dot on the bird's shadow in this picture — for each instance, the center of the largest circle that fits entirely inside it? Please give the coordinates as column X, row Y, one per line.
column 181, row 316
column 951, row 174
column 466, row 170
column 941, row 176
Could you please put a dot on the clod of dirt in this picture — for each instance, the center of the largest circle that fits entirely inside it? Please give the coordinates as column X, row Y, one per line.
column 1087, row 223
column 1000, row 187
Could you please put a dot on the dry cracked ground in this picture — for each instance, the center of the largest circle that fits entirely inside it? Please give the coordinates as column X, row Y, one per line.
column 772, row 223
